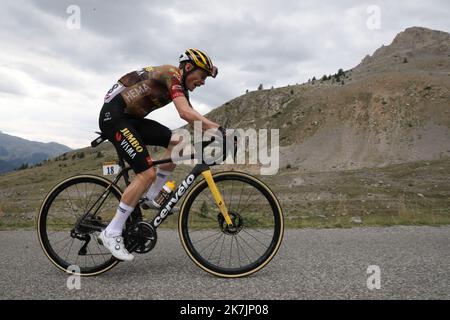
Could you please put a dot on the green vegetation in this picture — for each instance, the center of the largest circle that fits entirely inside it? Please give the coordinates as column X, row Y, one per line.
column 416, row 193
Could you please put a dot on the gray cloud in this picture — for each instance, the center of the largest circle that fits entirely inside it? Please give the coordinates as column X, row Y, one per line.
column 252, row 42
column 12, row 87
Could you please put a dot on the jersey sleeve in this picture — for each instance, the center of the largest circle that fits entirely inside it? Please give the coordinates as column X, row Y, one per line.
column 173, row 81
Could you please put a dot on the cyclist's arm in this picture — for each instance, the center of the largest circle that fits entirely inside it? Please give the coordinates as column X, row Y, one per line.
column 190, row 115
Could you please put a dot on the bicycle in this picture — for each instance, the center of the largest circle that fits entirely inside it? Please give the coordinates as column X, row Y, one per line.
column 70, row 220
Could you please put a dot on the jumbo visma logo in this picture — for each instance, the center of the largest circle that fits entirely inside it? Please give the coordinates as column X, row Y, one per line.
column 130, row 144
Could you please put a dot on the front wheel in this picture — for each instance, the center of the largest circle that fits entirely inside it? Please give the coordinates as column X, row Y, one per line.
column 249, row 244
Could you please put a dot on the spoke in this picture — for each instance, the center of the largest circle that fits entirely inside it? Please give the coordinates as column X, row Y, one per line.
column 231, row 200
column 60, row 249
column 267, row 235
column 253, row 237
column 239, row 257
column 243, row 239
column 96, row 254
column 210, row 236
column 99, row 249
column 230, row 197
column 93, row 262
column 70, row 213
column 65, row 238
column 90, row 197
column 104, row 208
column 209, row 201
column 214, row 249
column 76, row 260
column 70, row 201
column 63, row 208
column 85, row 191
column 221, row 249
column 247, row 204
column 209, row 245
column 66, row 224
column 206, row 194
column 98, row 204
column 224, row 191
column 79, row 198
column 57, row 231
column 231, row 249
column 240, row 195
column 70, row 248
column 242, row 248
column 198, row 211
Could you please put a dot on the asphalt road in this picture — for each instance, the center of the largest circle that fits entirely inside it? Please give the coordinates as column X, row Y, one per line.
column 414, row 263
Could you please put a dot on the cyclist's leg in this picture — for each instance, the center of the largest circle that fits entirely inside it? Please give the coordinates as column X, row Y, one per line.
column 120, row 131
column 131, row 146
column 156, row 134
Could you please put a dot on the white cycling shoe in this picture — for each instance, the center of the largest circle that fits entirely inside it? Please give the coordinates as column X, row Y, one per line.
column 116, row 246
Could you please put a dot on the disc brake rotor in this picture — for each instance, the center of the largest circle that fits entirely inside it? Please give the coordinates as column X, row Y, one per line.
column 235, row 228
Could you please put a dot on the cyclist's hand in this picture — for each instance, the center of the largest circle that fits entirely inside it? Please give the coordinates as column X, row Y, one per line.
column 232, row 146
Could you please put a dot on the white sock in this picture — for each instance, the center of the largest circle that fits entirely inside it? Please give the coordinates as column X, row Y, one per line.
column 115, row 227
column 155, row 188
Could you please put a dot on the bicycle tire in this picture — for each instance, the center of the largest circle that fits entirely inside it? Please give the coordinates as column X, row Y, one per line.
column 42, row 231
column 197, row 257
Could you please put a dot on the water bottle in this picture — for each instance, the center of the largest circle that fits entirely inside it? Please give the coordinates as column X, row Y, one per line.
column 165, row 193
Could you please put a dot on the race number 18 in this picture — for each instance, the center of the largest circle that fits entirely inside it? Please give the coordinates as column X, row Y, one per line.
column 110, row 169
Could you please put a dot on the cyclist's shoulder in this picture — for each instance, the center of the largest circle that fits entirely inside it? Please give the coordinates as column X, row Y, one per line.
column 170, row 71
column 166, row 73
column 165, row 68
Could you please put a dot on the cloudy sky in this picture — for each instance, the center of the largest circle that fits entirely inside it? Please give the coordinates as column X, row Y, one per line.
column 54, row 75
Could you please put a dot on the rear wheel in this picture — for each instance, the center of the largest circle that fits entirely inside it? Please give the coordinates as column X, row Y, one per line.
column 70, row 219
column 249, row 244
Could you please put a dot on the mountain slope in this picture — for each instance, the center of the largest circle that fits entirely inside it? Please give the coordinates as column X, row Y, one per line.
column 5, row 166
column 15, row 151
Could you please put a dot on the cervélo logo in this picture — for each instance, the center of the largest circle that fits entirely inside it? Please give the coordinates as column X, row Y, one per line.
column 173, row 201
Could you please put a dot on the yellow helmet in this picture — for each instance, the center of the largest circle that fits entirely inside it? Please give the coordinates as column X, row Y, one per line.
column 200, row 60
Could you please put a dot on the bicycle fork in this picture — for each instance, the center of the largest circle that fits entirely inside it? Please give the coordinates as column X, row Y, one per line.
column 217, row 196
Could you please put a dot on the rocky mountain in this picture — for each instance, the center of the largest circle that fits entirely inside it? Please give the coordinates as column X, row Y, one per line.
column 15, row 151
column 423, row 47
column 394, row 107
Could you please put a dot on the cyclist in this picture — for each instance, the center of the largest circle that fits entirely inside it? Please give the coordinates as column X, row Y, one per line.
column 122, row 122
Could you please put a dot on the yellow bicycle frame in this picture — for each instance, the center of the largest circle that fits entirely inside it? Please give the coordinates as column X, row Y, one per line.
column 217, row 196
